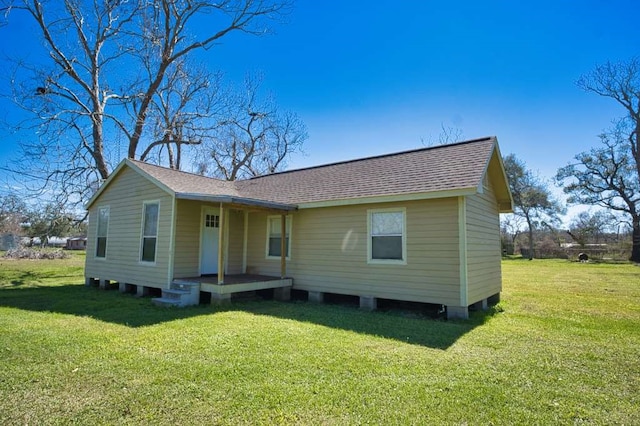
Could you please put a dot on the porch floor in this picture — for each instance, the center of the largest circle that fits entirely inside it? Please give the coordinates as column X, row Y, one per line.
column 237, row 283
column 230, row 279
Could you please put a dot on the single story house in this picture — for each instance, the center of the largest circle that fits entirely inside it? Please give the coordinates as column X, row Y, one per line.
column 76, row 243
column 420, row 225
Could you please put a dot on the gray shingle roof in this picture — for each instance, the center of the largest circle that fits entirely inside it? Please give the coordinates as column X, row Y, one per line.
column 454, row 167
column 440, row 168
column 188, row 183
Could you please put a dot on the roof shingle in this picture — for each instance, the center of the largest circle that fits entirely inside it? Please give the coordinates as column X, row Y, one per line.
column 451, row 167
column 440, row 168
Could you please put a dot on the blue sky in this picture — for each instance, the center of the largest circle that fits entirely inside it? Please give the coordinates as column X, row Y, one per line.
column 373, row 77
column 370, row 78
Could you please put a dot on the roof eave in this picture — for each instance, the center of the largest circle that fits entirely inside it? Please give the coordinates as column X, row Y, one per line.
column 503, row 175
column 229, row 199
column 116, row 172
column 505, row 206
column 457, row 192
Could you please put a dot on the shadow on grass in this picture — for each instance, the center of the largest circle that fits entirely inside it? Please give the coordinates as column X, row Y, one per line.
column 515, row 257
column 109, row 306
column 404, row 327
column 131, row 311
column 24, row 277
column 30, row 277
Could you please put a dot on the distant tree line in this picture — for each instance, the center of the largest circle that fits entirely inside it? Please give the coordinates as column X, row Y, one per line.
column 607, row 176
column 41, row 221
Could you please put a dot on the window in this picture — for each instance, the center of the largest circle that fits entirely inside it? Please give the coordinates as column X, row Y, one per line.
column 387, row 237
column 101, row 233
column 211, row 221
column 274, row 236
column 149, row 231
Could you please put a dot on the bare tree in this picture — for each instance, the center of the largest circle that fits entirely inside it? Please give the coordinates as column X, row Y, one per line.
column 511, row 226
column 620, row 81
column 609, row 175
column 180, row 114
column 253, row 137
column 590, row 226
column 47, row 221
column 107, row 58
column 13, row 211
column 606, row 176
column 448, row 134
column 532, row 199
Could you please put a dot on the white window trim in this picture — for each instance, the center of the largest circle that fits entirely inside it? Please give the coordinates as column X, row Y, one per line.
column 289, row 228
column 144, row 206
column 106, row 248
column 370, row 259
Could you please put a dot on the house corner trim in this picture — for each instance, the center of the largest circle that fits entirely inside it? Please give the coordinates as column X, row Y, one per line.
column 462, row 250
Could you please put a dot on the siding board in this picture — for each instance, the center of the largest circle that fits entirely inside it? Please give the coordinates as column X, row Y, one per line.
column 187, row 244
column 329, row 252
column 125, row 197
column 483, row 245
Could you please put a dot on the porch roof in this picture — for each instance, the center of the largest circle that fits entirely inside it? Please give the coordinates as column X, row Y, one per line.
column 226, row 199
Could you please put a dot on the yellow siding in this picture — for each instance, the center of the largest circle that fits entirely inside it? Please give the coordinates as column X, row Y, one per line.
column 187, row 256
column 124, row 197
column 187, row 252
column 235, row 241
column 328, row 247
column 483, row 245
column 329, row 252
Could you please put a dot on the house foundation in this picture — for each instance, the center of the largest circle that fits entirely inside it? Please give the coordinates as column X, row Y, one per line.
column 368, row 303
column 481, row 305
column 220, row 299
column 127, row 288
column 142, row 291
column 457, row 312
column 282, row 294
column 316, row 296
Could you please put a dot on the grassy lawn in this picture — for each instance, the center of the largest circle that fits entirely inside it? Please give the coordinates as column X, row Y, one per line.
column 562, row 347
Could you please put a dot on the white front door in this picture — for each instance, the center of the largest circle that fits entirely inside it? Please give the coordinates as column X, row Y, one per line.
column 210, row 229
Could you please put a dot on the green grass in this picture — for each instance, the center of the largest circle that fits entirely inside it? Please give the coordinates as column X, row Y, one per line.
column 562, row 347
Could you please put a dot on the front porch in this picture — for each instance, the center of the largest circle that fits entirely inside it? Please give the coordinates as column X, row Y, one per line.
column 240, row 283
column 186, row 291
column 224, row 247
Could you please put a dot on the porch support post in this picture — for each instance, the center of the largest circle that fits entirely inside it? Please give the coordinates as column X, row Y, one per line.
column 221, row 246
column 283, row 245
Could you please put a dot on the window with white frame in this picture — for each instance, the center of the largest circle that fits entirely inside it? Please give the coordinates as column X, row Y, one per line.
column 101, row 232
column 211, row 221
column 149, row 231
column 387, row 236
column 274, row 236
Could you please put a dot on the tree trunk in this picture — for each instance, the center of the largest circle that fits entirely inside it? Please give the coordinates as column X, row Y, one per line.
column 530, row 242
column 635, row 249
column 98, row 146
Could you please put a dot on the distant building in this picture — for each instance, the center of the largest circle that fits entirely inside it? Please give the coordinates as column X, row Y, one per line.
column 9, row 241
column 76, row 243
